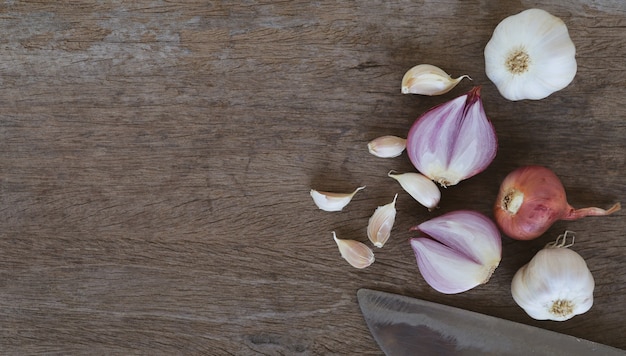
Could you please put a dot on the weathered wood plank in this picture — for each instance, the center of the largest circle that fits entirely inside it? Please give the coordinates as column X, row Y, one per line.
column 156, row 159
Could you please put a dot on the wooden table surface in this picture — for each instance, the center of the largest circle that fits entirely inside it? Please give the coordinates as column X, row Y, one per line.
column 156, row 159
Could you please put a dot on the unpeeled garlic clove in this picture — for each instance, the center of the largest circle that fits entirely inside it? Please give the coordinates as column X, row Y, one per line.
column 332, row 201
column 381, row 223
column 462, row 252
column 387, row 146
column 422, row 189
column 356, row 253
column 427, row 79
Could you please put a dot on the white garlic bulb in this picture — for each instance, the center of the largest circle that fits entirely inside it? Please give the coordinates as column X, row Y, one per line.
column 555, row 285
column 530, row 56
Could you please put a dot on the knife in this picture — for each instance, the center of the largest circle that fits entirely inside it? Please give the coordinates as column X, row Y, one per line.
column 407, row 326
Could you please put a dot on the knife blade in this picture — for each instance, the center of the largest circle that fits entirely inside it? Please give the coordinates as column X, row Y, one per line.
column 407, row 326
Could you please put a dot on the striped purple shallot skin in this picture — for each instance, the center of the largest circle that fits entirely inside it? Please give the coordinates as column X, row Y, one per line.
column 453, row 141
column 457, row 251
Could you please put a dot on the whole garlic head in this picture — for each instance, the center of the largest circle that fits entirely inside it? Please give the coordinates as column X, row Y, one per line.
column 555, row 285
column 530, row 56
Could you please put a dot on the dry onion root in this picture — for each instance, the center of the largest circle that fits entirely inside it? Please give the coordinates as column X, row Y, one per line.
column 531, row 199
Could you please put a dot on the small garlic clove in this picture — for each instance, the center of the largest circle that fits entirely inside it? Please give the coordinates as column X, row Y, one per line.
column 332, row 201
column 463, row 250
column 387, row 146
column 453, row 141
column 422, row 189
column 356, row 253
column 381, row 223
column 446, row 270
column 426, row 79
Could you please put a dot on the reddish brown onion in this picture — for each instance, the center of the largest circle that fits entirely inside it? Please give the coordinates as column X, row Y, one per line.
column 531, row 199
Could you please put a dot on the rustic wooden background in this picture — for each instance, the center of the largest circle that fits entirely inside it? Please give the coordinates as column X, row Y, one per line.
column 156, row 159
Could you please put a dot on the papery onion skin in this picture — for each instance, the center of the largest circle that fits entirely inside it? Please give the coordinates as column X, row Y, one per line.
column 531, row 199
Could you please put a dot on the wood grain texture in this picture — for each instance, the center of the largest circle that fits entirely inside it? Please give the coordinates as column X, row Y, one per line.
column 156, row 159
